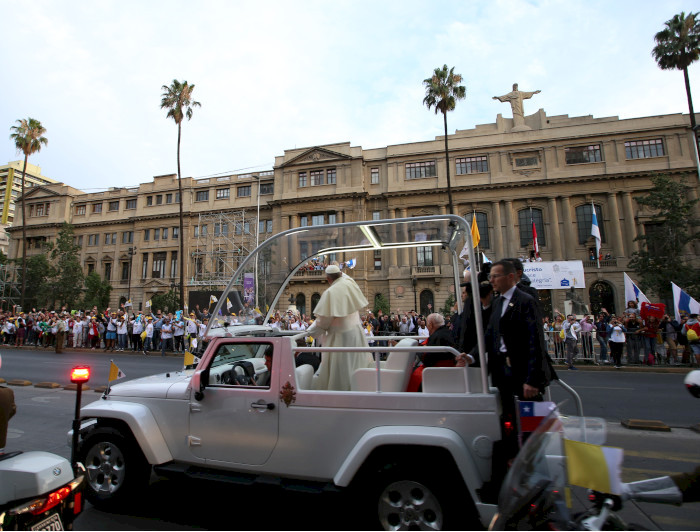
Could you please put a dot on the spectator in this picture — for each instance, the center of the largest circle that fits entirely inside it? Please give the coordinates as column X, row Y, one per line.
column 616, row 333
column 601, row 327
column 572, row 331
column 587, row 327
column 634, row 341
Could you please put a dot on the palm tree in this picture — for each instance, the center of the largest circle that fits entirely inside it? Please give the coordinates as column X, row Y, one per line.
column 442, row 91
column 677, row 46
column 177, row 98
column 28, row 137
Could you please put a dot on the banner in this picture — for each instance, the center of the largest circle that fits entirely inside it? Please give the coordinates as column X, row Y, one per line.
column 249, row 288
column 555, row 275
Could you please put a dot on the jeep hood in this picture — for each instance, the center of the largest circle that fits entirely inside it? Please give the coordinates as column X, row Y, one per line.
column 153, row 386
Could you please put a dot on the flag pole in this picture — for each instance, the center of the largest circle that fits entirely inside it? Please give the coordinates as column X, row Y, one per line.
column 478, row 253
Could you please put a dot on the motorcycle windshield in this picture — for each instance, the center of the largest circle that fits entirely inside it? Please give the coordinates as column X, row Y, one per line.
column 259, row 285
column 541, row 464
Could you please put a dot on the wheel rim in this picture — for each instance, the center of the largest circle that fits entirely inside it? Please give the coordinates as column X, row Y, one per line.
column 105, row 467
column 409, row 505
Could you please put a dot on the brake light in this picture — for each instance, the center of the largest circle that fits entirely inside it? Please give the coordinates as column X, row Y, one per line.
column 45, row 503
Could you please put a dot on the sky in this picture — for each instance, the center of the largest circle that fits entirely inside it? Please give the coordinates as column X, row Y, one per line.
column 278, row 75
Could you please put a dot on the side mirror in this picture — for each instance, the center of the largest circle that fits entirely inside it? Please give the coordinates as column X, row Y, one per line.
column 198, row 380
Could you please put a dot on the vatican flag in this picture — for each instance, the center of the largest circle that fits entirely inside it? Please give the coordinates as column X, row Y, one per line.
column 213, row 299
column 476, row 237
column 114, row 372
column 595, row 467
column 190, row 359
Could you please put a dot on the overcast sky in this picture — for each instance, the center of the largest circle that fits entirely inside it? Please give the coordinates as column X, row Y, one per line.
column 278, row 75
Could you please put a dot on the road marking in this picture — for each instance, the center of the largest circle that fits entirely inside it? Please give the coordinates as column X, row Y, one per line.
column 14, row 433
column 603, row 388
column 692, row 458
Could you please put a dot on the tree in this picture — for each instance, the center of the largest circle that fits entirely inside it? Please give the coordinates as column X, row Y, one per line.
column 167, row 302
column 177, row 98
column 447, row 307
column 381, row 303
column 67, row 280
column 662, row 258
column 37, row 274
column 442, row 91
column 677, row 46
column 28, row 137
column 97, row 291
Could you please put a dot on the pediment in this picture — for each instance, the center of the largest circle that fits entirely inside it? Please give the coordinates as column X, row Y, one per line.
column 425, row 212
column 316, row 155
column 38, row 192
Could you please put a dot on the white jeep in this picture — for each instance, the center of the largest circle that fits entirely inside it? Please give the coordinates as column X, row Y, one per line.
column 240, row 414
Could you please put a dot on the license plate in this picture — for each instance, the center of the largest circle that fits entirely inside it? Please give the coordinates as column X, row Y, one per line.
column 53, row 522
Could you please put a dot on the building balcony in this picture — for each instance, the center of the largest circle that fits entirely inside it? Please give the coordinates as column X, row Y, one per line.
column 310, row 275
column 608, row 263
column 425, row 271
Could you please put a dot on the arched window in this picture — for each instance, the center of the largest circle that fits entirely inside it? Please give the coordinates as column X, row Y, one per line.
column 525, row 219
column 315, row 297
column 426, row 298
column 602, row 296
column 300, row 302
column 584, row 221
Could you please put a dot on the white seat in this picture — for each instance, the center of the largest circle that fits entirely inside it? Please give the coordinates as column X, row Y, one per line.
column 304, row 374
column 395, row 372
column 445, row 380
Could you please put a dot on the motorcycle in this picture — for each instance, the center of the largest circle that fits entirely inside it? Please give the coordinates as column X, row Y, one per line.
column 536, row 494
column 38, row 490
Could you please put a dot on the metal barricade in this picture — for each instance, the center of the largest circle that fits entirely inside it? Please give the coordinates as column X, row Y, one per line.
column 585, row 347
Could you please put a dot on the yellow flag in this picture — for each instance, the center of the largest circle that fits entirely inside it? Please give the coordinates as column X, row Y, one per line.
column 114, row 372
column 595, row 467
column 190, row 359
column 476, row 237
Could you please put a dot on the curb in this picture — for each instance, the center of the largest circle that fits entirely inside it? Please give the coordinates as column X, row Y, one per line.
column 19, row 382
column 49, row 385
column 74, row 387
column 629, row 369
column 696, row 428
column 646, row 424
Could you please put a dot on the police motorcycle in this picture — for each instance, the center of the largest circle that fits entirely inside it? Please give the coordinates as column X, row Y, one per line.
column 537, row 493
column 38, row 490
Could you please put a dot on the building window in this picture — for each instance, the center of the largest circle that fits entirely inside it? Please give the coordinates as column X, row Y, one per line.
column 472, row 165
column 318, row 219
column 125, row 271
column 158, row 269
column 584, row 220
column 108, row 271
column 418, row 170
column 220, row 229
column 332, row 218
column 525, row 219
column 304, row 221
column 93, row 240
column 269, row 226
column 643, row 149
column 303, row 250
column 198, row 265
column 90, row 267
column 39, row 209
column 377, row 259
column 130, row 204
column 168, row 199
column 223, row 193
column 200, row 230
column 267, row 188
column 374, row 176
column 78, row 241
column 243, row 192
column 526, row 161
column 202, row 195
column 316, row 177
column 330, row 176
column 156, row 234
column 302, row 179
column 146, row 235
column 159, row 199
column 128, row 237
column 376, row 215
column 176, row 233
column 80, row 209
column 583, row 154
column 165, row 233
column 424, row 256
column 173, row 264
column 144, row 268
column 149, row 201
column 96, row 208
column 110, row 238
column 114, row 205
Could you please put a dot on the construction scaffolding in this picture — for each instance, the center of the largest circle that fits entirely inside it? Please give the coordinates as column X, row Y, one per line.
column 224, row 239
column 9, row 286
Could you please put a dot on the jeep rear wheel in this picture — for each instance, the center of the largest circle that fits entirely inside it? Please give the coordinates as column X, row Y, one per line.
column 409, row 505
column 116, row 467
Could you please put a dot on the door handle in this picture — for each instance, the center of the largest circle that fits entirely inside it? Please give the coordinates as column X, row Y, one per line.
column 262, row 405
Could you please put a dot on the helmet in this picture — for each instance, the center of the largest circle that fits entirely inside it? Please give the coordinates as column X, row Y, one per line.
column 692, row 382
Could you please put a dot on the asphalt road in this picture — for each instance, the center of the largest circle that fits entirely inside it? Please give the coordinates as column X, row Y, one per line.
column 44, row 416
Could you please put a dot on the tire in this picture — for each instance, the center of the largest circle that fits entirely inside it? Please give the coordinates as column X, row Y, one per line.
column 413, row 498
column 117, row 471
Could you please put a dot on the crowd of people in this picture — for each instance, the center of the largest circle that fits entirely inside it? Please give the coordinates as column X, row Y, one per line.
column 110, row 330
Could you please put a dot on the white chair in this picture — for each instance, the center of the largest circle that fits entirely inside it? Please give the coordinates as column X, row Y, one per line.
column 445, row 380
column 394, row 373
column 304, row 375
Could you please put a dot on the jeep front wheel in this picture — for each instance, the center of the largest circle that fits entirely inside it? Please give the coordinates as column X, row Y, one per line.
column 116, row 467
column 410, row 504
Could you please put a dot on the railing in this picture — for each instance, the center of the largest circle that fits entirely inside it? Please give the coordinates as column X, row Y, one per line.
column 607, row 263
column 317, row 274
column 425, row 271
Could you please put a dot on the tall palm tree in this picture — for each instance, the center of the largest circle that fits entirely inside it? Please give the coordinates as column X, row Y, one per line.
column 28, row 137
column 442, row 91
column 677, row 46
column 177, row 98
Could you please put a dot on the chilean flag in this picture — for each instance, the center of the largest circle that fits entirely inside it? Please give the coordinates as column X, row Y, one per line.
column 532, row 413
column 534, row 239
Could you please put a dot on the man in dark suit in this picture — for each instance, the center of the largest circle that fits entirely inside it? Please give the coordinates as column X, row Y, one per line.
column 513, row 340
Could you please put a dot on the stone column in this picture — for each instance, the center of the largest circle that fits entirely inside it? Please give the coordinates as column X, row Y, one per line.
column 554, row 234
column 512, row 236
column 569, row 235
column 404, row 259
column 497, row 230
column 390, row 254
column 615, row 229
column 630, row 229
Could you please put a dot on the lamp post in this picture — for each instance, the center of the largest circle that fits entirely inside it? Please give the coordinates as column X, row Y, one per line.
column 415, row 283
column 78, row 376
column 257, row 241
column 131, row 252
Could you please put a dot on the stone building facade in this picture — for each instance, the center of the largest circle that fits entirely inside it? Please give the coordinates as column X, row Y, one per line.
column 550, row 173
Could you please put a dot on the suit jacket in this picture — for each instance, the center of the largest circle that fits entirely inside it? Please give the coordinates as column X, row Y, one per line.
column 441, row 337
column 549, row 373
column 521, row 335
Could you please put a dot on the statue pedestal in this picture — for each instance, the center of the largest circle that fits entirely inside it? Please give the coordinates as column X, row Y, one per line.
column 516, row 129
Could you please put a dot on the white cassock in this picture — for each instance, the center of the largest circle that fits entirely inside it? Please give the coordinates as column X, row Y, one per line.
column 338, row 324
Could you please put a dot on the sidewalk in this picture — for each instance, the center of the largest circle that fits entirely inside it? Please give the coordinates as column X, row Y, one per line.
column 638, row 368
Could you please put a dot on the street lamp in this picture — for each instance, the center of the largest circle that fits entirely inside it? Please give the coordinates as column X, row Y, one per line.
column 78, row 376
column 257, row 241
column 131, row 252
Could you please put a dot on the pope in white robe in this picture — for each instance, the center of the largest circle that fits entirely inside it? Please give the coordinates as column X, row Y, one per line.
column 338, row 324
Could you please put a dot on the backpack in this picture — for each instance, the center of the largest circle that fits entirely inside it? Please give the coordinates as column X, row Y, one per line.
column 692, row 332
